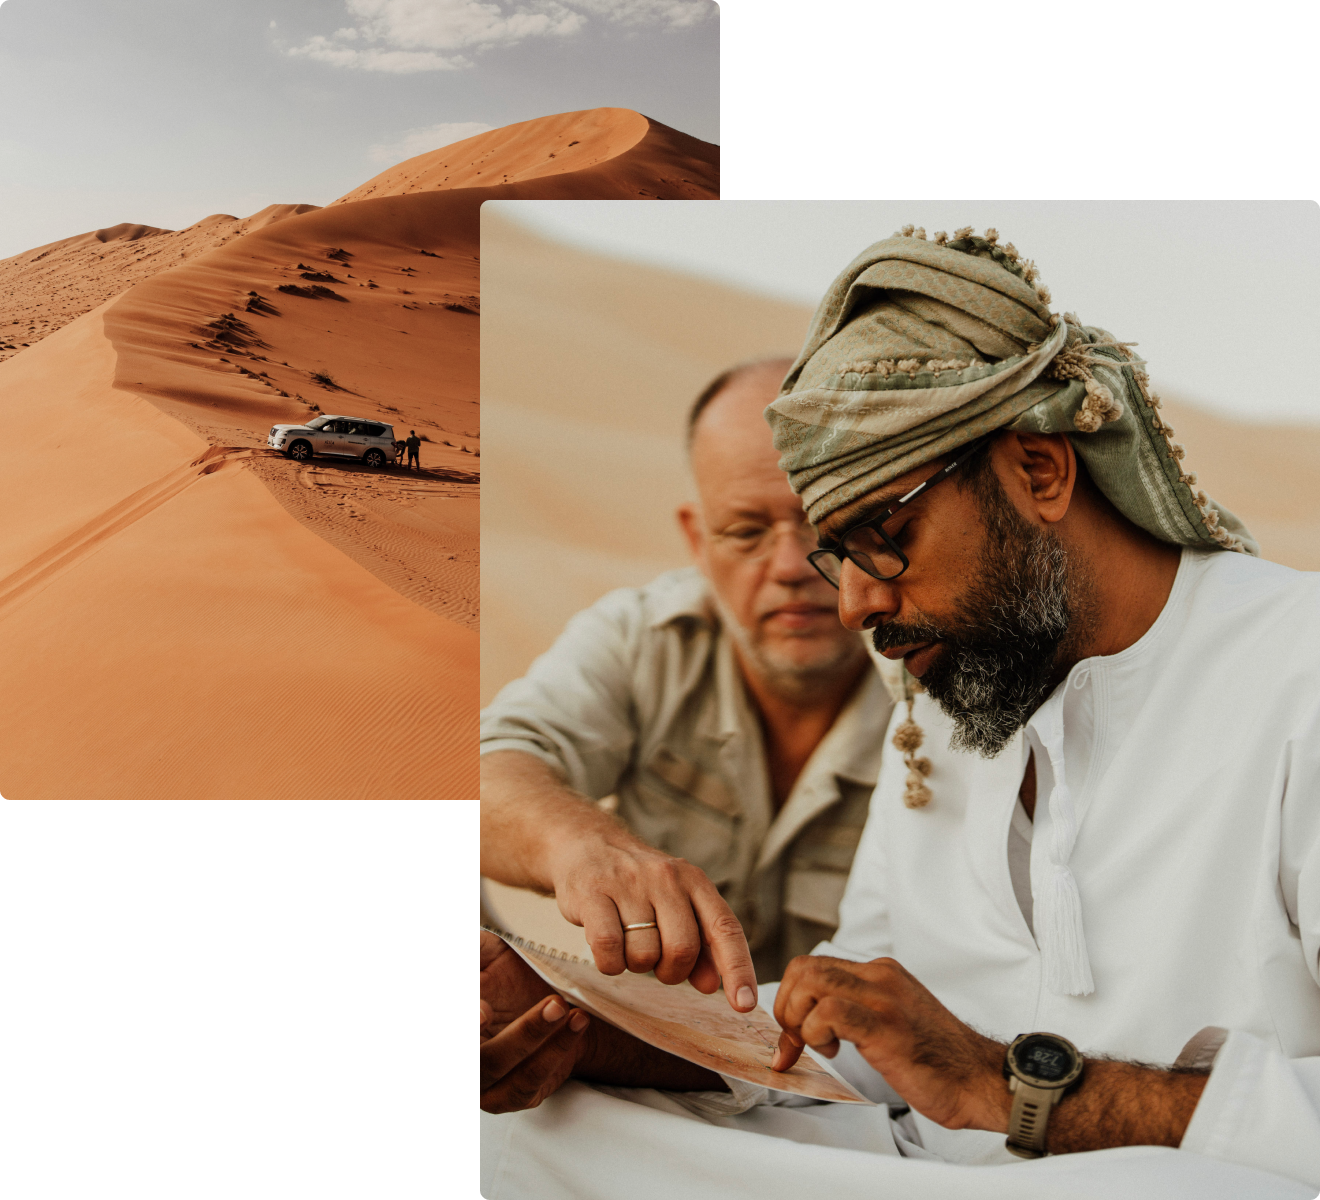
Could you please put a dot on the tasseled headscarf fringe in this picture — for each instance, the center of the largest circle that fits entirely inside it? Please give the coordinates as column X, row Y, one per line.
column 907, row 739
column 1076, row 361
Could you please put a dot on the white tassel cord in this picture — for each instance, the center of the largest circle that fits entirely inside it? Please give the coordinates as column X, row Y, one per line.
column 1063, row 940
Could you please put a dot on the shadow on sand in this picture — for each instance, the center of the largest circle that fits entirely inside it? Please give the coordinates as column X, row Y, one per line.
column 350, row 466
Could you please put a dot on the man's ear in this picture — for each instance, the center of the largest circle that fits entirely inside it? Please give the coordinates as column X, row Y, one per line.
column 1042, row 468
column 689, row 521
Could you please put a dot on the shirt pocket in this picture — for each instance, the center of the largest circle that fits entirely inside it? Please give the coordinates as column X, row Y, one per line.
column 818, row 862
column 685, row 810
column 813, row 896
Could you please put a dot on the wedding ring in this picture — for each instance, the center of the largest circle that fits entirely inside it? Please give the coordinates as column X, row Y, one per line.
column 639, row 925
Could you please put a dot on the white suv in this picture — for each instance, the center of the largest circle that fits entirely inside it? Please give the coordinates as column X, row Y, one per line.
column 346, row 437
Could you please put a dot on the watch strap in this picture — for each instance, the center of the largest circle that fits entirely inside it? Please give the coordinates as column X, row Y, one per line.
column 1028, row 1118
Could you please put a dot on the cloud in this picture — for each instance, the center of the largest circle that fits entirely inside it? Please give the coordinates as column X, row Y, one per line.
column 406, row 36
column 419, row 141
column 676, row 14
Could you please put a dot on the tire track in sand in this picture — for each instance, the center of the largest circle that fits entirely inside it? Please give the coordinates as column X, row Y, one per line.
column 91, row 536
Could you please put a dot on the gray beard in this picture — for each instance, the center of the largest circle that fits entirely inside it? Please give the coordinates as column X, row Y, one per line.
column 797, row 682
column 1013, row 628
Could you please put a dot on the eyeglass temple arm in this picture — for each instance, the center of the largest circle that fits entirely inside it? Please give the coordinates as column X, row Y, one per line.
column 924, row 485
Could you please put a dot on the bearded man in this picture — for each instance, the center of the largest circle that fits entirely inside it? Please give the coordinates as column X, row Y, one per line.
column 1097, row 846
column 727, row 710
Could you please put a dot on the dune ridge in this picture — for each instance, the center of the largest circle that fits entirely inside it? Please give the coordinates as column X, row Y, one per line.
column 43, row 289
column 183, row 612
column 669, row 165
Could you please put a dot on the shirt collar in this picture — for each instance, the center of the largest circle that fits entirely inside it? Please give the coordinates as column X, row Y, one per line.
column 853, row 745
column 851, row 749
column 680, row 595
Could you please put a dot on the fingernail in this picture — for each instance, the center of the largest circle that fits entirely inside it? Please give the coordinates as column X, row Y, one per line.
column 578, row 1021
column 554, row 1011
column 746, row 997
column 776, row 1059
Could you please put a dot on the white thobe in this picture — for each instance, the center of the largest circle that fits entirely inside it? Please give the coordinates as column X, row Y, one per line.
column 1179, row 794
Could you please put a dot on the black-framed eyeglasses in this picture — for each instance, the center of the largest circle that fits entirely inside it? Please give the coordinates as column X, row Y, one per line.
column 867, row 545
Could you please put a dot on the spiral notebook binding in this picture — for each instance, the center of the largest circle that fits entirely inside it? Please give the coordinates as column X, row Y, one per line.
column 536, row 947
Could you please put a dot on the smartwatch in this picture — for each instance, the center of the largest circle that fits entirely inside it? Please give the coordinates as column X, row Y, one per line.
column 1041, row 1068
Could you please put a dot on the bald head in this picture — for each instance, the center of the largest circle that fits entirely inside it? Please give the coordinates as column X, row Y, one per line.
column 761, row 377
column 730, row 446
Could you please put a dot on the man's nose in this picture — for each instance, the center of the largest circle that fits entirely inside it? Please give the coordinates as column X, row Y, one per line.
column 865, row 601
column 788, row 554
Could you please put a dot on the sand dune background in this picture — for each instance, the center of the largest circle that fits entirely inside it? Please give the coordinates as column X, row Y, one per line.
column 588, row 367
column 46, row 288
column 184, row 613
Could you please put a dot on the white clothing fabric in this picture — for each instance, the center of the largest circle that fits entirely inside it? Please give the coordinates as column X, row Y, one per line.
column 1192, row 762
column 1019, row 862
column 587, row 1143
column 1175, row 861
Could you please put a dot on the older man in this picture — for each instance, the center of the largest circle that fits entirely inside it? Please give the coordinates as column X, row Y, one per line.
column 729, row 713
column 1111, row 844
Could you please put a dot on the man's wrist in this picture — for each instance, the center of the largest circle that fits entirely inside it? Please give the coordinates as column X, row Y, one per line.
column 996, row 1100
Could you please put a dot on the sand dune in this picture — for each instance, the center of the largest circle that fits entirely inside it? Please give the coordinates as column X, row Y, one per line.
column 42, row 290
column 184, row 613
column 588, row 367
column 659, row 162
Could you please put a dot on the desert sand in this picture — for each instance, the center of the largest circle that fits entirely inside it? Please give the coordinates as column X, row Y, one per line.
column 642, row 158
column 184, row 613
column 47, row 287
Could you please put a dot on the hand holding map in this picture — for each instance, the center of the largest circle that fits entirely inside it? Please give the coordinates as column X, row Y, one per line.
column 681, row 1021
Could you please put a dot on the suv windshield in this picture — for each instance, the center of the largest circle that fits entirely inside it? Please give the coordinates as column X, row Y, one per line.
column 317, row 422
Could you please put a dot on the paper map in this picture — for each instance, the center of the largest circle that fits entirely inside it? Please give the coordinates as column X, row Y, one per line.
column 679, row 1019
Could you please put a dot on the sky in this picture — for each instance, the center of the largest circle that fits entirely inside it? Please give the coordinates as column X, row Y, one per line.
column 161, row 112
column 1223, row 297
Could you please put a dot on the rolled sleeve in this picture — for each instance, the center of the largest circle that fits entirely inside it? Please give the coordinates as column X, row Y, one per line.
column 1260, row 1109
column 574, row 708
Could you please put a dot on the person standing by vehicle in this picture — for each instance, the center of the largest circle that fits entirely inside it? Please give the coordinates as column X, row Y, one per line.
column 414, row 445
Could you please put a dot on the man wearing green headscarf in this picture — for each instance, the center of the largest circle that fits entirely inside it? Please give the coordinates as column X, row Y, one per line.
column 1095, row 841
column 1118, row 704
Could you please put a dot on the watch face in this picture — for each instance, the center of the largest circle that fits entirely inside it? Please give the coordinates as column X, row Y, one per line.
column 1045, row 1058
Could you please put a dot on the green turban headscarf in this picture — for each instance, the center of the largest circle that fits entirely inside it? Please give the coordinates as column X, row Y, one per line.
column 920, row 347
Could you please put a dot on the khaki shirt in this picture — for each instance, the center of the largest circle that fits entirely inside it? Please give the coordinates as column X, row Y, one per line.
column 641, row 698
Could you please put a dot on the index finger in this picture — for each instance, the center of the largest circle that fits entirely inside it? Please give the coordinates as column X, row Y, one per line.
column 786, row 1053
column 723, row 933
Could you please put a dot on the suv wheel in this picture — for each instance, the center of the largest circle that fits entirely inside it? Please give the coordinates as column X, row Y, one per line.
column 300, row 451
column 374, row 458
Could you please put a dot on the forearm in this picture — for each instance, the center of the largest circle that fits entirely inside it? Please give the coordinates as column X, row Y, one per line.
column 527, row 813
column 1125, row 1104
column 611, row 1056
column 1116, row 1104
